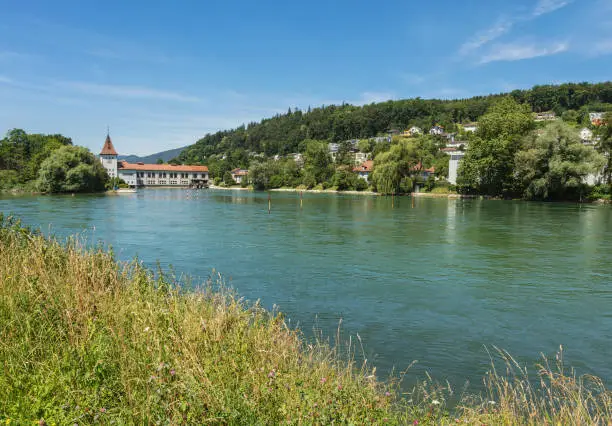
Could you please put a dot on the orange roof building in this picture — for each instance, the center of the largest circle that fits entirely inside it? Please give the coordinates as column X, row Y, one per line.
column 364, row 169
column 141, row 174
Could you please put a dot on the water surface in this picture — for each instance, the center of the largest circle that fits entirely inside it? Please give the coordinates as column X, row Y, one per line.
column 435, row 281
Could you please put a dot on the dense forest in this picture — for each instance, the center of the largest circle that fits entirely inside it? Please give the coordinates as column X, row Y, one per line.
column 287, row 133
column 48, row 163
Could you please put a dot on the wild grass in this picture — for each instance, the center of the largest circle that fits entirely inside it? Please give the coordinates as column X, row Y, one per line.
column 85, row 339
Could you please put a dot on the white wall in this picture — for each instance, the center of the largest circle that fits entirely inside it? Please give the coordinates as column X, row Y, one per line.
column 453, row 165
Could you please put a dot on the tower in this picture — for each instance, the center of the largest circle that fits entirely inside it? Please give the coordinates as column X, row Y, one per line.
column 108, row 157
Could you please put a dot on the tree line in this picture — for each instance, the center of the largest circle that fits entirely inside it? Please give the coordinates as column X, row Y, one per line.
column 48, row 163
column 288, row 133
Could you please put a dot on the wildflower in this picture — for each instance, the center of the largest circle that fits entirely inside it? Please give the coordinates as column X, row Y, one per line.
column 146, row 329
column 103, row 410
column 172, row 372
column 323, row 380
column 492, row 402
column 387, row 393
column 272, row 374
column 339, row 387
column 435, row 402
column 8, row 421
column 416, row 422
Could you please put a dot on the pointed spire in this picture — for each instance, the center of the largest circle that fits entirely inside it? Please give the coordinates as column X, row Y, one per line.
column 108, row 148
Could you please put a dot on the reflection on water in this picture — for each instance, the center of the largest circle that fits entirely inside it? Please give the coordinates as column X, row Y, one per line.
column 431, row 280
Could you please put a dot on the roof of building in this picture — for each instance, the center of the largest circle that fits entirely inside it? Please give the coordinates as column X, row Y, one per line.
column 124, row 165
column 419, row 168
column 366, row 166
column 108, row 148
column 239, row 172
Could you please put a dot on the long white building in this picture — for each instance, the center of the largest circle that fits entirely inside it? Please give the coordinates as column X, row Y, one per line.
column 141, row 174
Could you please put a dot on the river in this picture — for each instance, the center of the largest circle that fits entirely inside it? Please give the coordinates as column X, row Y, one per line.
column 434, row 281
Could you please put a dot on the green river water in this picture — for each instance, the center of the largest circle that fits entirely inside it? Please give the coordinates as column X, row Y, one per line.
column 435, row 282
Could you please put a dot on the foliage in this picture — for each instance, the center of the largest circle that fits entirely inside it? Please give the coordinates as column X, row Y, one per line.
column 22, row 154
column 489, row 161
column 286, row 133
column 345, row 179
column 71, row 169
column 88, row 340
column 553, row 166
column 605, row 145
column 228, row 180
column 116, row 182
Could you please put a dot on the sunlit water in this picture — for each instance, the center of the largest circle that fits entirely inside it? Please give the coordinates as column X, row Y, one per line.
column 436, row 281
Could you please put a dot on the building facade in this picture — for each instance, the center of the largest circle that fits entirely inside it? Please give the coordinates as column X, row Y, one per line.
column 141, row 174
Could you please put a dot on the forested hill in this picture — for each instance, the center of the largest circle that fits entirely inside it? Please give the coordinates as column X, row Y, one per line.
column 284, row 133
column 164, row 156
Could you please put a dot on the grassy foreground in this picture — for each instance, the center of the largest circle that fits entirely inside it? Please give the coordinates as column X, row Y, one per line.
column 84, row 339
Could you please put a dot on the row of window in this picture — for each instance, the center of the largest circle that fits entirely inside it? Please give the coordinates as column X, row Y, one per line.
column 164, row 175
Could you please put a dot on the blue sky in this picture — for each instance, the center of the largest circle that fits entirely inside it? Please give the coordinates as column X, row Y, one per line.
column 162, row 74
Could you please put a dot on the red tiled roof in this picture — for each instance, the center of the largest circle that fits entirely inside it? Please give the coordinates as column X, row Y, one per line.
column 239, row 172
column 366, row 166
column 419, row 168
column 108, row 148
column 124, row 165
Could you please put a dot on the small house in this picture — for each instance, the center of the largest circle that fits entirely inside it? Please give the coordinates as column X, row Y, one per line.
column 239, row 175
column 470, row 127
column 364, row 169
column 436, row 130
column 545, row 116
column 596, row 118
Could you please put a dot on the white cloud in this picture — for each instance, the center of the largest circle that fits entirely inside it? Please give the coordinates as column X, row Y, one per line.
column 517, row 52
column 136, row 92
column 505, row 24
column 547, row 6
column 483, row 37
column 5, row 80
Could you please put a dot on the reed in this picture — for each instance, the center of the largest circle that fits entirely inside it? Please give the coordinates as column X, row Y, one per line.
column 85, row 339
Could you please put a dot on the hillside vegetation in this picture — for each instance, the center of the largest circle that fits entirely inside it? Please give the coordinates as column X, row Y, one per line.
column 287, row 133
column 86, row 340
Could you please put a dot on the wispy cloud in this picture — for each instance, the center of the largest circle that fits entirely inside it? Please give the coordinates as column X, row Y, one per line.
column 547, row 6
column 517, row 51
column 481, row 38
column 504, row 25
column 5, row 80
column 117, row 91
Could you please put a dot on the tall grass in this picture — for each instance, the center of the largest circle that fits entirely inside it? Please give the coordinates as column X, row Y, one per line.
column 85, row 339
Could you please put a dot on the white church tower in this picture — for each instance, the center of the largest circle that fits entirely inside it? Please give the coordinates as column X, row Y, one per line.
column 108, row 157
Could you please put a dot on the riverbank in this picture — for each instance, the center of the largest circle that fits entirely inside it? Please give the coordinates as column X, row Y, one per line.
column 87, row 339
column 312, row 191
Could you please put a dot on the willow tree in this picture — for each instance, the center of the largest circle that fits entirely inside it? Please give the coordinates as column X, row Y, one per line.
column 392, row 166
column 555, row 165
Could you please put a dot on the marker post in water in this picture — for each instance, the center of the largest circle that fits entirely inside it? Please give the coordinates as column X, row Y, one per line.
column 301, row 198
column 269, row 203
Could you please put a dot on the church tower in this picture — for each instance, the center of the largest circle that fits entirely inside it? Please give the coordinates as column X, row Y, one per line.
column 108, row 157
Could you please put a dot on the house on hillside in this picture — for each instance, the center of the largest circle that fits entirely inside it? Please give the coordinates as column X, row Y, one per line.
column 413, row 131
column 596, row 118
column 545, row 116
column 364, row 169
column 436, row 130
column 360, row 157
column 586, row 136
column 239, row 175
column 470, row 127
column 141, row 174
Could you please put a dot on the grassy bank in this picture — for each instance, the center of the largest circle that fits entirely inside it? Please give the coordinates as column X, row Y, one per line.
column 84, row 339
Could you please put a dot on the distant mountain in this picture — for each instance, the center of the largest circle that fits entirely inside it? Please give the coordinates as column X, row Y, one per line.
column 164, row 155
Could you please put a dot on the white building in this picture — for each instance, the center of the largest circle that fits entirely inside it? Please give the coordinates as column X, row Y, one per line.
column 239, row 175
column 360, row 157
column 456, row 155
column 470, row 127
column 586, row 135
column 140, row 174
column 413, row 131
column 436, row 130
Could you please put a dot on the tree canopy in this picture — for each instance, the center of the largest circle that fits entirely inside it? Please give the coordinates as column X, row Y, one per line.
column 554, row 165
column 71, row 169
